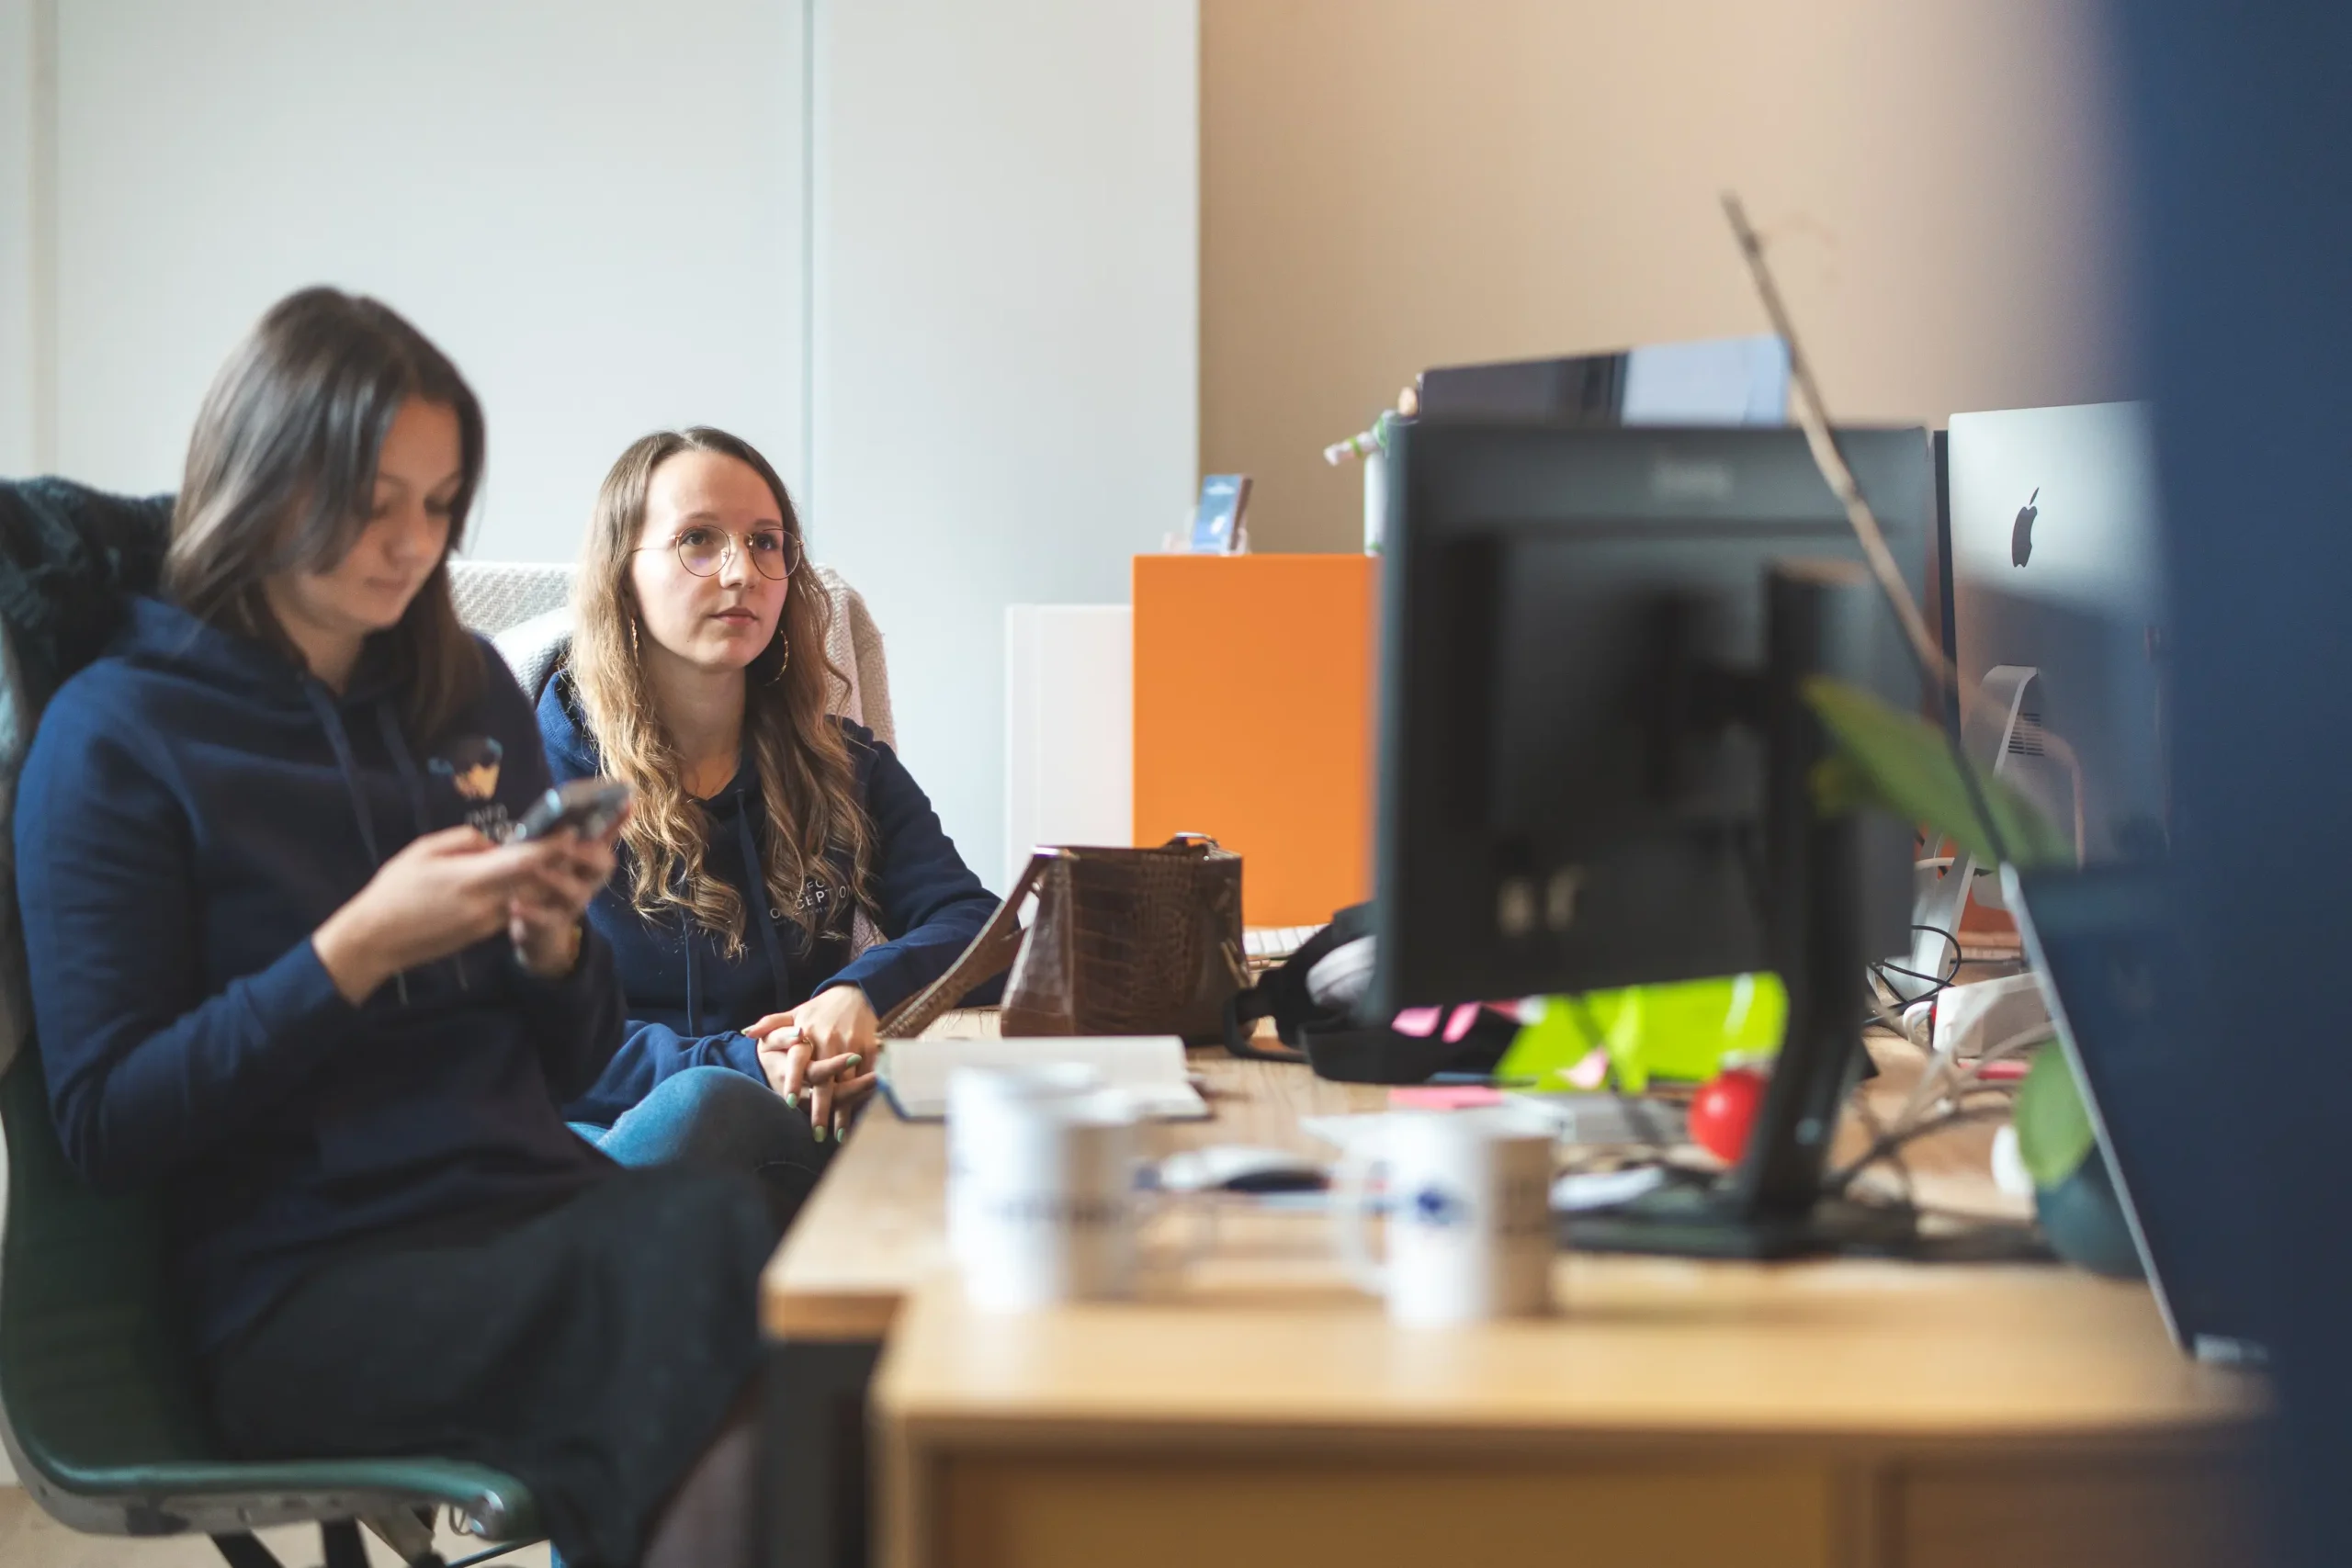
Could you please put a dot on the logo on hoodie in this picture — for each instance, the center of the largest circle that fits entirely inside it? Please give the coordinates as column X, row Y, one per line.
column 471, row 768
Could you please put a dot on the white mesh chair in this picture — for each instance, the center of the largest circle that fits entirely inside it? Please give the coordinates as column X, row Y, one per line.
column 493, row 595
column 525, row 608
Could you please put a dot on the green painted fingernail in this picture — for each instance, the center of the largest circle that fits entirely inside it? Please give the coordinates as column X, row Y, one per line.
column 854, row 1058
column 820, row 1135
column 792, row 1097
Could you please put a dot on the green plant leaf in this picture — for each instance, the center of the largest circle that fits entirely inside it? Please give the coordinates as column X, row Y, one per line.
column 2053, row 1127
column 1901, row 762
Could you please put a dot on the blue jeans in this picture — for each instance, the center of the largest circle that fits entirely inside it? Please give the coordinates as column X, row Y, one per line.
column 716, row 1116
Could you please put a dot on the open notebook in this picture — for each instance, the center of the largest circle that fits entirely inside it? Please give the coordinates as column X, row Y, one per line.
column 1147, row 1069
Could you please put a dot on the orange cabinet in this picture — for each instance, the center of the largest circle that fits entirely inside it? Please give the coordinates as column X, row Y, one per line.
column 1253, row 720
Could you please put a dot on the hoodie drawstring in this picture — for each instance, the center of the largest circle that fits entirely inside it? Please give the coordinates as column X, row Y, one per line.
column 340, row 741
column 388, row 726
column 763, row 913
column 397, row 745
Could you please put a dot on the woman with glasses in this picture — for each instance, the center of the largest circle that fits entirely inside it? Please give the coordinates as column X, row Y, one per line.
column 764, row 827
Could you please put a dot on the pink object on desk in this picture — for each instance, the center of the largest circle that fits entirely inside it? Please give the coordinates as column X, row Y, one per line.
column 1422, row 1022
column 1443, row 1097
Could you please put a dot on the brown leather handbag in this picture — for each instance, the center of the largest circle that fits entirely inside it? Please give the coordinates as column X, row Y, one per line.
column 1127, row 942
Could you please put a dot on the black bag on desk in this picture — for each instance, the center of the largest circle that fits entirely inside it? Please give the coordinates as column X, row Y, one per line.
column 1337, row 1043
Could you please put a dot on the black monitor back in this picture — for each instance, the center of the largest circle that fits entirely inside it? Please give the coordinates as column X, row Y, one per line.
column 1566, row 797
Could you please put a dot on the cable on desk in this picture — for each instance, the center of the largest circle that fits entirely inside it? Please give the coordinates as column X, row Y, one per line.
column 1971, row 1077
column 1937, row 983
column 1895, row 1151
column 1837, row 1181
column 1932, row 1087
column 1883, row 1016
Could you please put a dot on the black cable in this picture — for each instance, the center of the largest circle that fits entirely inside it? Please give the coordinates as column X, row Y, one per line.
column 1878, row 1134
column 1836, row 1184
column 1952, row 941
column 1937, row 984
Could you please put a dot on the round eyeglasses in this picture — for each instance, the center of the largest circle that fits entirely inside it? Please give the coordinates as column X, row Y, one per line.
column 703, row 550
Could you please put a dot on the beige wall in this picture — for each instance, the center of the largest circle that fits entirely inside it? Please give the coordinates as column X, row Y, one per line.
column 1387, row 185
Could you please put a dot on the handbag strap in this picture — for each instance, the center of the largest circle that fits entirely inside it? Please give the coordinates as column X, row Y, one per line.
column 991, row 953
column 1242, row 1012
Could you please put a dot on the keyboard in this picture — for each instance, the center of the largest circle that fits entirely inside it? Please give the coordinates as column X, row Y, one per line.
column 1266, row 946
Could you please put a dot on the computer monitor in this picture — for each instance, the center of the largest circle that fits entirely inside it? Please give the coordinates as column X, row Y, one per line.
column 2056, row 570
column 1596, row 766
column 1731, row 380
column 1551, row 595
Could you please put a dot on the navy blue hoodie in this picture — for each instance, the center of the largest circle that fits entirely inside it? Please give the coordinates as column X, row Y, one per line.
column 193, row 807
column 687, row 998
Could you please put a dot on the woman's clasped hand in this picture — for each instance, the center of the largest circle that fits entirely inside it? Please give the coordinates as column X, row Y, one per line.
column 826, row 1050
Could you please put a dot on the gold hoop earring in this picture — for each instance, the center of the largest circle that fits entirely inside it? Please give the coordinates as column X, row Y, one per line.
column 783, row 663
column 632, row 637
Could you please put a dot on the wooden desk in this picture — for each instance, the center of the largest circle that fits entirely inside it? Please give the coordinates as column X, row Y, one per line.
column 1853, row 1414
column 874, row 1230
column 1849, row 1414
column 875, row 1227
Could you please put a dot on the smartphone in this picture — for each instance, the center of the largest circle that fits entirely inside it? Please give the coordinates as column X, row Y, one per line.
column 591, row 805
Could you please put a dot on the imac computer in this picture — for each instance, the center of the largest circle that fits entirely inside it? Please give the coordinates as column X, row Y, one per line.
column 2058, row 596
column 2055, row 609
column 1596, row 762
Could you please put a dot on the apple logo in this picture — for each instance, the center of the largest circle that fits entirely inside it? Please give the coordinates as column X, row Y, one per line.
column 2021, row 535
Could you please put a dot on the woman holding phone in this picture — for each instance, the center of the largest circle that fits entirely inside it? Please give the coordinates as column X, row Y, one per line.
column 286, row 965
column 769, row 835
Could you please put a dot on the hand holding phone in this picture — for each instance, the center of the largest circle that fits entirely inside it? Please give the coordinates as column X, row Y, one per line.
column 589, row 806
column 441, row 893
column 575, row 823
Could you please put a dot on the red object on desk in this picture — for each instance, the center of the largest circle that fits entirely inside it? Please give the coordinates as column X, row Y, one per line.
column 1724, row 1109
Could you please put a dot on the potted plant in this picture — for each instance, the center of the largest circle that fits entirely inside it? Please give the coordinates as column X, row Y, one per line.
column 1902, row 763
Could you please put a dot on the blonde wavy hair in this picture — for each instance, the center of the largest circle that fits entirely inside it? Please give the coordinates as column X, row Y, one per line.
column 807, row 779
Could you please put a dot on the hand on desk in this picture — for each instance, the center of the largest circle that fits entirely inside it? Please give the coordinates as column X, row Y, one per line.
column 818, row 1048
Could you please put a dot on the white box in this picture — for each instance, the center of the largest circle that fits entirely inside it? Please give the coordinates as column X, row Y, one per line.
column 1069, row 731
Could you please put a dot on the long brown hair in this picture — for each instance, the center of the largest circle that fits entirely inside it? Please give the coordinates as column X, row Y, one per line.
column 281, row 476
column 807, row 779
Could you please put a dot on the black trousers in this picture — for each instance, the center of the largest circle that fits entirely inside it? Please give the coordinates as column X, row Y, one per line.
column 591, row 1350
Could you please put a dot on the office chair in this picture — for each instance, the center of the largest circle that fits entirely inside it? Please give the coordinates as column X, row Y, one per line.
column 98, row 1403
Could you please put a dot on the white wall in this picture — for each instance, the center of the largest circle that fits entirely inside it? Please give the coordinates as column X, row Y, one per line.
column 594, row 206
column 598, row 207
column 22, row 49
column 1006, row 352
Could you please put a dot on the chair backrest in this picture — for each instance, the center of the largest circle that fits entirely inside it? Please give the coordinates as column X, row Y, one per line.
column 523, row 608
column 493, row 595
column 94, row 1376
